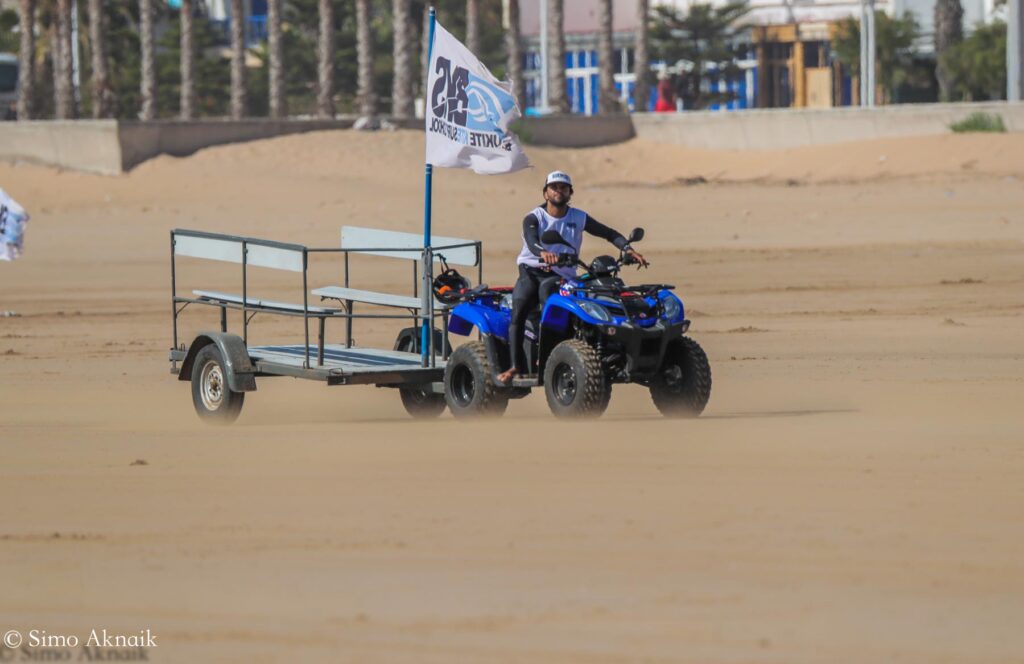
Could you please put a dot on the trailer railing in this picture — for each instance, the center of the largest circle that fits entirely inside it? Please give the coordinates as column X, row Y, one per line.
column 258, row 252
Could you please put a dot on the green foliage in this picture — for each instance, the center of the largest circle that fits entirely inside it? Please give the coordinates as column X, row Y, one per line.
column 301, row 30
column 8, row 36
column 983, row 122
column 212, row 75
column 894, row 41
column 977, row 65
column 701, row 37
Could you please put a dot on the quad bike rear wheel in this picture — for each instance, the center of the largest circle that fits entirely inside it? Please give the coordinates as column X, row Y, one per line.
column 683, row 385
column 574, row 382
column 469, row 386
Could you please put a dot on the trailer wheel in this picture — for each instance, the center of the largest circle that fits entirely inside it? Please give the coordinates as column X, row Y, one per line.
column 574, row 381
column 469, row 386
column 214, row 401
column 422, row 404
column 683, row 385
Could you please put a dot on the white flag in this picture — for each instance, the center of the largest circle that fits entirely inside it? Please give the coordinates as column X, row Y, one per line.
column 468, row 112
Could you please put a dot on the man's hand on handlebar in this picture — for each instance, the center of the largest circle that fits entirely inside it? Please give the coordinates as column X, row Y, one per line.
column 635, row 258
column 549, row 257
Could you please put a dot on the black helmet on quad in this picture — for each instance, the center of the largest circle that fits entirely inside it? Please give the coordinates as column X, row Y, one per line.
column 449, row 286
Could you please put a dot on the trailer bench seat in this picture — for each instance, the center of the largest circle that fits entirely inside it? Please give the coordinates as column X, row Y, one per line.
column 372, row 297
column 260, row 303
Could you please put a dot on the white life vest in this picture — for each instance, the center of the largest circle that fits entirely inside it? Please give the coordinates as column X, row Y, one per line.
column 569, row 227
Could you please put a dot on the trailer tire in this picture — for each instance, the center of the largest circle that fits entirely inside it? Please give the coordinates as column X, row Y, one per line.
column 574, row 382
column 683, row 385
column 214, row 400
column 422, row 404
column 469, row 387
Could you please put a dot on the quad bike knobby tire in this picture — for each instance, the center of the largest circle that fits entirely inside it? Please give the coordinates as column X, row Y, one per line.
column 214, row 400
column 469, row 387
column 574, row 382
column 683, row 385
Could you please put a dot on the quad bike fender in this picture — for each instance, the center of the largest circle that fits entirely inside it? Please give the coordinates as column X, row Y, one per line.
column 488, row 321
column 241, row 373
column 559, row 312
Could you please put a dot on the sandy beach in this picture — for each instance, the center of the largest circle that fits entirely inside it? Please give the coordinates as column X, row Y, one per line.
column 853, row 493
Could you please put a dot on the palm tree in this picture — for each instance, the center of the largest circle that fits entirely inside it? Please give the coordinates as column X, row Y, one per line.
column 275, row 40
column 607, row 100
column 401, row 85
column 188, row 61
column 148, row 46
column 949, row 31
column 325, row 69
column 514, row 49
column 238, row 100
column 27, row 59
column 642, row 62
column 64, row 90
column 364, row 54
column 473, row 27
column 102, row 95
column 557, row 97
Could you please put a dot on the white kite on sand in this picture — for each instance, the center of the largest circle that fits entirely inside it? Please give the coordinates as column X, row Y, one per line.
column 12, row 227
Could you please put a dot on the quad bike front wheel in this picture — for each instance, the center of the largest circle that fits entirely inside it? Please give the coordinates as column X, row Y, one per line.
column 469, row 387
column 214, row 400
column 683, row 385
column 574, row 382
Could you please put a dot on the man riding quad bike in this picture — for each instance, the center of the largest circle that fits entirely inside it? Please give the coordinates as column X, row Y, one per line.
column 594, row 332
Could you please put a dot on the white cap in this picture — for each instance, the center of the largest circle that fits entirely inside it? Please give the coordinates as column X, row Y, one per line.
column 558, row 176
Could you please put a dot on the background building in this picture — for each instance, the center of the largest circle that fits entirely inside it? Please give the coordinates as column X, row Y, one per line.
column 788, row 45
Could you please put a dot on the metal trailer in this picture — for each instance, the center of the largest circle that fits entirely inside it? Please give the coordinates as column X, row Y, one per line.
column 222, row 366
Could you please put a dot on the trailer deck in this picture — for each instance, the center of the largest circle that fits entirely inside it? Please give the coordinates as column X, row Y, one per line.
column 347, row 366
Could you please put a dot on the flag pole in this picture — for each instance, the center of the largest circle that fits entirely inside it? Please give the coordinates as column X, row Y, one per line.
column 427, row 306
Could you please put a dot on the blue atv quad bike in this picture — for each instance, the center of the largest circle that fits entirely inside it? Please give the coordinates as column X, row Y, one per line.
column 594, row 332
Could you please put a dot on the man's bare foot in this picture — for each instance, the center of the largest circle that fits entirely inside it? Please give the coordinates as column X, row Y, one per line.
column 506, row 377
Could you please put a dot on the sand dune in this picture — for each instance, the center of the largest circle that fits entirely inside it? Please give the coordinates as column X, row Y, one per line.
column 852, row 494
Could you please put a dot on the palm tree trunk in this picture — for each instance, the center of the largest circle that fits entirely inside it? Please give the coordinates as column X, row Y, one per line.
column 642, row 62
column 64, row 93
column 425, row 51
column 146, row 42
column 473, row 27
column 27, row 59
column 188, row 63
column 278, row 107
column 949, row 30
column 102, row 95
column 364, row 48
column 607, row 100
column 401, row 87
column 514, row 49
column 325, row 91
column 238, row 100
column 557, row 97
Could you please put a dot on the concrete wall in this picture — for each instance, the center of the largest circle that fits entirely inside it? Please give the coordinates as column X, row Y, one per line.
column 144, row 140
column 83, row 145
column 575, row 131
column 115, row 146
column 786, row 128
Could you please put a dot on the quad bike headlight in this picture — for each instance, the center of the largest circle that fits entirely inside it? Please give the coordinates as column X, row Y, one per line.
column 673, row 308
column 595, row 310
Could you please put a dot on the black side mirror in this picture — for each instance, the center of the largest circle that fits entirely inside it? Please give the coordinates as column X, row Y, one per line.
column 636, row 235
column 552, row 237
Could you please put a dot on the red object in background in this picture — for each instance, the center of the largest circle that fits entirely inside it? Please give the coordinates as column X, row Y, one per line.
column 666, row 98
